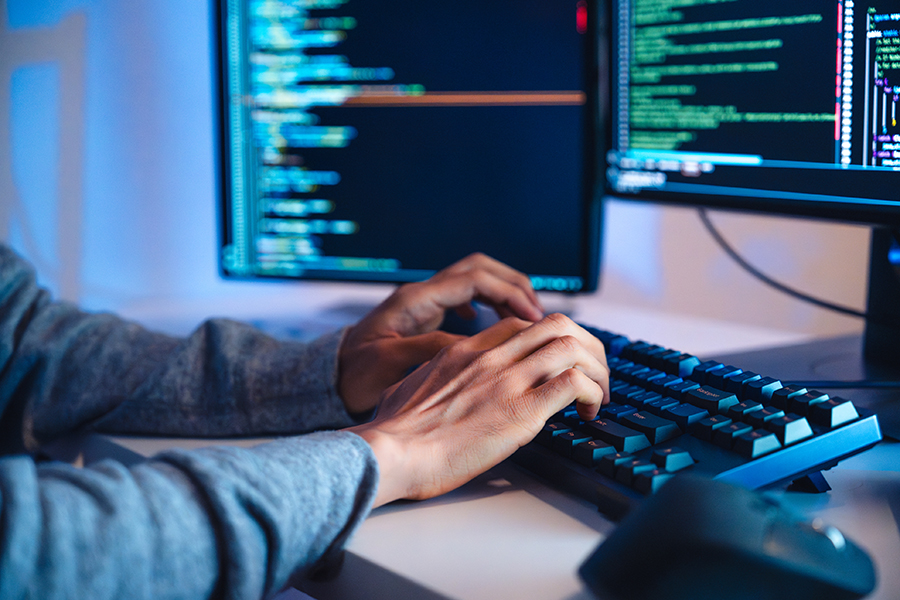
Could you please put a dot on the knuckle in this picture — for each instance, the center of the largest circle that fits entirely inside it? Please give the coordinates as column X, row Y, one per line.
column 557, row 321
column 566, row 345
column 454, row 352
column 408, row 291
column 574, row 378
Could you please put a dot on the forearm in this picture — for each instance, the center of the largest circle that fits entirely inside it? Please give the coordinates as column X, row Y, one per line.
column 223, row 522
column 229, row 379
column 62, row 369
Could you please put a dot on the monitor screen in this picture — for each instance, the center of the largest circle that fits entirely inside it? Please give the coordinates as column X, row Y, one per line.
column 785, row 107
column 375, row 141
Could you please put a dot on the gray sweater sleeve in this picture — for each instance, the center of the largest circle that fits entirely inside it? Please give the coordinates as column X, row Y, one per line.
column 63, row 370
column 223, row 523
column 215, row 523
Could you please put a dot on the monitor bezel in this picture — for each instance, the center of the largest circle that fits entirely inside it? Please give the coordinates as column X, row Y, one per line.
column 833, row 211
column 592, row 189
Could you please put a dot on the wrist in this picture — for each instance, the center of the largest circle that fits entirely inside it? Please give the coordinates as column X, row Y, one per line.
column 392, row 458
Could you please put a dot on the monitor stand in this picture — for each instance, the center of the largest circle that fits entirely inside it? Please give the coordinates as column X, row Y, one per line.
column 873, row 356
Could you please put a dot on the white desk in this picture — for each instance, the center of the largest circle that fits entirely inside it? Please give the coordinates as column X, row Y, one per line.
column 506, row 535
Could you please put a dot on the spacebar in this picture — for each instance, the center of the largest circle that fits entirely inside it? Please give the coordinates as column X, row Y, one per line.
column 623, row 439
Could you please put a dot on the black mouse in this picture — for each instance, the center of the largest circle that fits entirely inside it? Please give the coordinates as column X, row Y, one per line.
column 698, row 539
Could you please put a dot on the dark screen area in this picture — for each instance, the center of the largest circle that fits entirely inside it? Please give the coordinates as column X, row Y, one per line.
column 785, row 107
column 373, row 141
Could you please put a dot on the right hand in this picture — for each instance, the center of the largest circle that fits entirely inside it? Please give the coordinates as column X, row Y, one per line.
column 479, row 400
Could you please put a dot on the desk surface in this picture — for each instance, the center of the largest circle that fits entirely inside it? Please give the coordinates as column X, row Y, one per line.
column 507, row 535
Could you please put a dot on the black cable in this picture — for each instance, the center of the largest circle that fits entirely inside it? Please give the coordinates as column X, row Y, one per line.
column 730, row 251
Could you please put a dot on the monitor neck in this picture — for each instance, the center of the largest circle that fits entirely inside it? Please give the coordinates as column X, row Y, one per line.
column 882, row 336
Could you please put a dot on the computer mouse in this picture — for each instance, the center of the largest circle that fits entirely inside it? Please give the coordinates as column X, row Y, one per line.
column 698, row 539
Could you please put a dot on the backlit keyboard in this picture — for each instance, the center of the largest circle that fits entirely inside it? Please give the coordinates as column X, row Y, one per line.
column 670, row 412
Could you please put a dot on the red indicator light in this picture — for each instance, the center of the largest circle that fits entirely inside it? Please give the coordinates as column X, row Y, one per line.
column 581, row 16
column 837, row 121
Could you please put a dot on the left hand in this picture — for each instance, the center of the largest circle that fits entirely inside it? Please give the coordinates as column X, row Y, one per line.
column 402, row 332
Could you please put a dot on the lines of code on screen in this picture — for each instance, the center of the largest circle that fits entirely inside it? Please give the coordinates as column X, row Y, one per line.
column 757, row 102
column 383, row 141
column 711, row 75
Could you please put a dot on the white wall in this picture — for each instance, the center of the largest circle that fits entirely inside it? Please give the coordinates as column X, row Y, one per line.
column 107, row 183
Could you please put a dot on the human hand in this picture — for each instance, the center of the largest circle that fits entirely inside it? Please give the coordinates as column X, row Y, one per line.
column 401, row 333
column 479, row 400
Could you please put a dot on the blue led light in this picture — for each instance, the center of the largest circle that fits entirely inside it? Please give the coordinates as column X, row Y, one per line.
column 894, row 254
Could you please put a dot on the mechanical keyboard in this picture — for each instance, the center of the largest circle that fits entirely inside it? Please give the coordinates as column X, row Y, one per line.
column 670, row 412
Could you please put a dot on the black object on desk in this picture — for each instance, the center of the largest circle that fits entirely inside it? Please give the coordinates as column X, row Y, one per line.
column 698, row 539
column 671, row 413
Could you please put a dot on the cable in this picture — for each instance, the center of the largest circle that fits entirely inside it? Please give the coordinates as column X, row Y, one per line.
column 730, row 251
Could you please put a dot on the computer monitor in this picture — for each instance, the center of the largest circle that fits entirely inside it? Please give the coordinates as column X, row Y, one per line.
column 763, row 105
column 374, row 141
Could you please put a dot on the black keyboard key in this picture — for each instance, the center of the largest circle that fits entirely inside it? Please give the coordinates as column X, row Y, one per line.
column 678, row 363
column 645, row 379
column 801, row 404
column 649, row 482
column 740, row 410
column 610, row 463
column 628, row 373
column 759, row 418
column 616, row 383
column 657, row 407
column 760, row 390
column 616, row 362
column 790, row 429
column 711, row 399
column 756, row 443
column 564, row 443
column 611, row 341
column 672, row 459
column 616, row 411
column 657, row 429
column 704, row 428
column 622, row 394
column 624, row 439
column 685, row 414
column 640, row 400
column 782, row 396
column 833, row 412
column 661, row 385
column 569, row 417
column 633, row 350
column 724, row 436
column 653, row 356
column 678, row 390
column 626, row 471
column 702, row 370
column 590, row 452
column 736, row 383
column 717, row 377
column 550, row 431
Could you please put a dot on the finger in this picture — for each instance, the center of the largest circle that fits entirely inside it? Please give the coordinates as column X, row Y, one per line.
column 560, row 355
column 570, row 385
column 498, row 269
column 548, row 329
column 509, row 299
column 497, row 334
